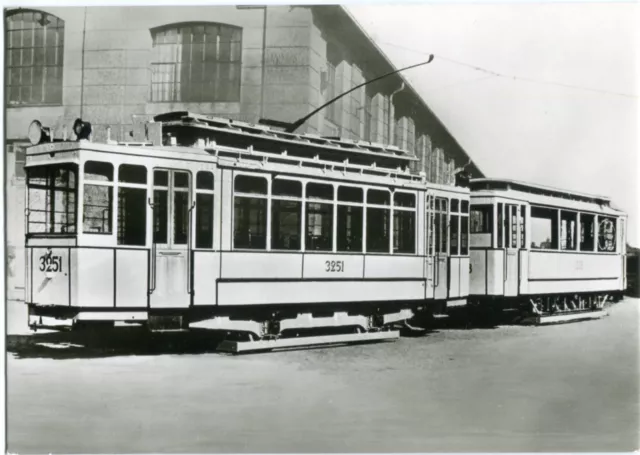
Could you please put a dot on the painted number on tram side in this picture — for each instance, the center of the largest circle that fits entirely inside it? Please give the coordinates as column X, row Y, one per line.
column 49, row 263
column 334, row 266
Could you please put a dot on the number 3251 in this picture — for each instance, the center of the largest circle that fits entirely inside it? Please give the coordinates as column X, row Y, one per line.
column 50, row 263
column 334, row 266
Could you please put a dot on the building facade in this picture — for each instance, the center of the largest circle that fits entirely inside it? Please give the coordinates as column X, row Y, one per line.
column 111, row 65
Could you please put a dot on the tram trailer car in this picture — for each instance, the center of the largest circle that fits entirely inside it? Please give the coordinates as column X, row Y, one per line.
column 556, row 255
column 220, row 224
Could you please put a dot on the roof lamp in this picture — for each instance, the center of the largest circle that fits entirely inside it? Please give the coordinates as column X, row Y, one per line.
column 38, row 134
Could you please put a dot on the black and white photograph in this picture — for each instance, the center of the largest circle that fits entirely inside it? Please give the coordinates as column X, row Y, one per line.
column 321, row 228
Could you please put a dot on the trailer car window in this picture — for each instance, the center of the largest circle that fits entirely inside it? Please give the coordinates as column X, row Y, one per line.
column 568, row 230
column 440, row 225
column 464, row 235
column 51, row 192
column 378, row 228
column 606, row 234
column 544, row 228
column 160, row 206
column 481, row 219
column 349, row 227
column 523, row 219
column 132, row 205
column 250, row 213
column 319, row 222
column 97, row 198
column 453, row 232
column 181, row 206
column 587, row 233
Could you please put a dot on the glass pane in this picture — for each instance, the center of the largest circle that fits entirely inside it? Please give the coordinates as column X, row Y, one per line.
column 98, row 205
column 454, row 205
column 587, row 232
column 606, row 234
column 350, row 194
column 286, row 225
column 453, row 233
column 204, row 219
column 378, row 197
column 160, row 216
column 349, row 230
column 180, row 217
column 319, row 191
column 405, row 200
column 132, row 216
column 204, row 180
column 98, row 171
column 319, row 235
column 464, row 235
column 378, row 227
column 160, row 178
column 131, row 173
column 250, row 223
column 404, row 232
column 181, row 180
column 249, row 184
column 291, row 188
column 544, row 228
column 482, row 219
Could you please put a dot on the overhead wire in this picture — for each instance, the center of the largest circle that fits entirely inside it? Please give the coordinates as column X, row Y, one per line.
column 513, row 77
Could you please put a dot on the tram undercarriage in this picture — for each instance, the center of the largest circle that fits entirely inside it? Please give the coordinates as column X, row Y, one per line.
column 249, row 330
column 546, row 309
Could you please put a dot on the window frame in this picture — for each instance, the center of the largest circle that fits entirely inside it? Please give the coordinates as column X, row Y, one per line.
column 178, row 89
column 267, row 209
column 204, row 191
column 110, row 184
column 136, row 186
column 58, row 50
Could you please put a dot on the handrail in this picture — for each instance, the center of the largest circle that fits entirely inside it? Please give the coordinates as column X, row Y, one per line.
column 152, row 260
column 189, row 240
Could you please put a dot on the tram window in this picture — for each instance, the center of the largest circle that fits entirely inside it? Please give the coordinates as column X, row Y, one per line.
column 289, row 188
column 404, row 200
column 464, row 235
column 404, row 231
column 204, row 180
column 132, row 216
column 606, row 234
column 319, row 191
column 204, row 209
column 523, row 220
column 378, row 227
column 349, row 233
column 250, row 185
column 568, row 230
column 587, row 234
column 319, row 235
column 465, row 207
column 513, row 217
column 131, row 173
column 440, row 226
column 51, row 192
column 97, row 171
column 481, row 219
column 181, row 179
column 250, row 223
column 501, row 223
column 204, row 219
column 160, row 178
column 98, row 204
column 378, row 197
column 160, row 216
column 350, row 194
column 544, row 228
column 286, row 224
column 453, row 233
column 455, row 204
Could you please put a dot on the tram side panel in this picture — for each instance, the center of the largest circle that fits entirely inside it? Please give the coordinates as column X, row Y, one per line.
column 553, row 273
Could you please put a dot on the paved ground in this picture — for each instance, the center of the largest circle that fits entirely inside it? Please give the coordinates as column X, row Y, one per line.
column 562, row 388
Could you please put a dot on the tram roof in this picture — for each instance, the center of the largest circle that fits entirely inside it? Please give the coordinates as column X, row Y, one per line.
column 236, row 133
column 534, row 188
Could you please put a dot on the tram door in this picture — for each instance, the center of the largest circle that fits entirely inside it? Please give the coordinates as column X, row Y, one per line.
column 170, row 281
column 441, row 237
column 511, row 224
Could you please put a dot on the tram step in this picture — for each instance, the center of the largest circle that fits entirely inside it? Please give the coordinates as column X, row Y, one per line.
column 236, row 347
column 564, row 318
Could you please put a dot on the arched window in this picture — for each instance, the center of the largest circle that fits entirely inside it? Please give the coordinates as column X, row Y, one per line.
column 196, row 62
column 35, row 47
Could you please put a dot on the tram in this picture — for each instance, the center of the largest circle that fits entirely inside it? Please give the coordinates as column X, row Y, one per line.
column 220, row 224
column 555, row 255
